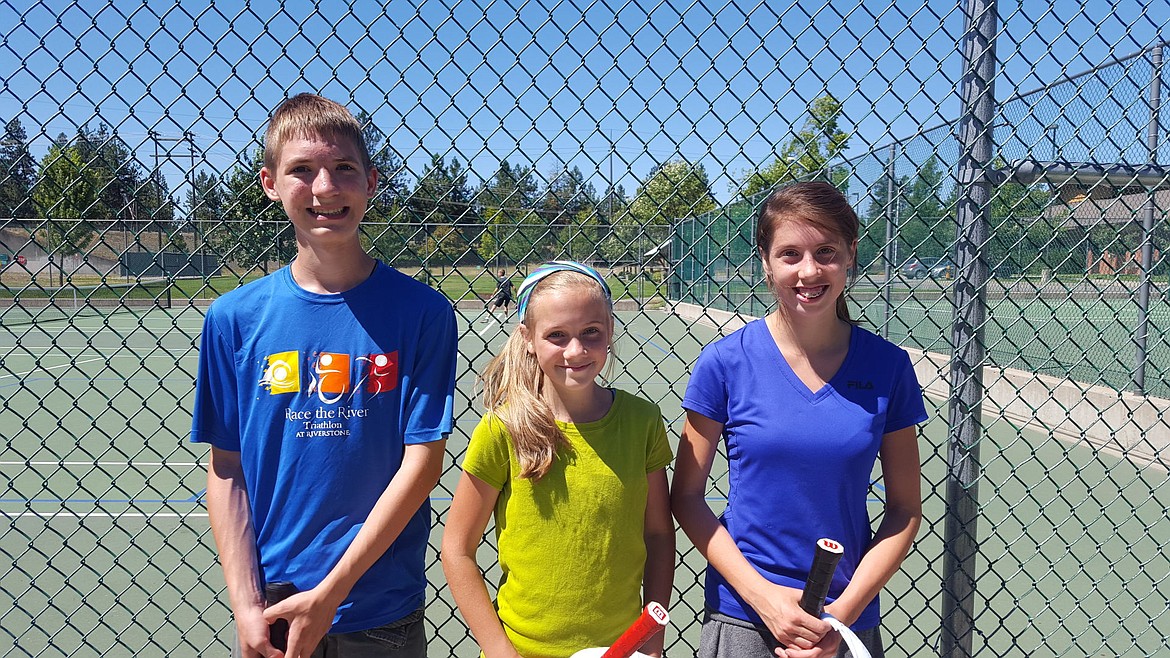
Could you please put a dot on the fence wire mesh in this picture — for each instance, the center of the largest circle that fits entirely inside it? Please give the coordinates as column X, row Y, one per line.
column 639, row 137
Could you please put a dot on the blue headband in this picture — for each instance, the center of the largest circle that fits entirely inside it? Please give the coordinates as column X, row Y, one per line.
column 538, row 275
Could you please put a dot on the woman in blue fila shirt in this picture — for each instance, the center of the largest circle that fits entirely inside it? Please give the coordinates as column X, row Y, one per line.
column 807, row 401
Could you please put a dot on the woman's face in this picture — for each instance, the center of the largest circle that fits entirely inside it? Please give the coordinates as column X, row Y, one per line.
column 807, row 268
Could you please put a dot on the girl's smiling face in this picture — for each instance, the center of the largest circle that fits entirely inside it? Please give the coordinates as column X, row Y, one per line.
column 807, row 268
column 569, row 332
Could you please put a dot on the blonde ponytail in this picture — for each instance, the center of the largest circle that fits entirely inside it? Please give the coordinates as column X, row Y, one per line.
column 512, row 387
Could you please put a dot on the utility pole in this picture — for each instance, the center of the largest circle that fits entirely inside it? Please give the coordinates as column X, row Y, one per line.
column 1153, row 130
column 188, row 137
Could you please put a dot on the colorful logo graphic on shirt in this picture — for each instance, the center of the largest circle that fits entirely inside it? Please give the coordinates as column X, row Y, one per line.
column 331, row 376
column 383, row 372
column 281, row 373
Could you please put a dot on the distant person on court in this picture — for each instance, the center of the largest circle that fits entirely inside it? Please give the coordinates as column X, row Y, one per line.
column 325, row 390
column 503, row 295
column 806, row 401
column 575, row 473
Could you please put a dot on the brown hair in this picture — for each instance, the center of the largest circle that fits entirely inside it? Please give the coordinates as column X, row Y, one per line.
column 513, row 385
column 817, row 203
column 310, row 115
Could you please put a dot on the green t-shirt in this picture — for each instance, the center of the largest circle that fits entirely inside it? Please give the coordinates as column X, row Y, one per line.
column 571, row 546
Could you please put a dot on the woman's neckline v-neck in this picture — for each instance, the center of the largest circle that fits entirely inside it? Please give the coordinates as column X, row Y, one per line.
column 795, row 381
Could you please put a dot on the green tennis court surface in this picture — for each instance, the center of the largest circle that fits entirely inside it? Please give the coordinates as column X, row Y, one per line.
column 1086, row 330
column 111, row 555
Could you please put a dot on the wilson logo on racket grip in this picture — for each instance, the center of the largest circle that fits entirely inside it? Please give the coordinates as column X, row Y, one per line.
column 831, row 545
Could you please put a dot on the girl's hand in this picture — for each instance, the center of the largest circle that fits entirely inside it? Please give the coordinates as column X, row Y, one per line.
column 791, row 626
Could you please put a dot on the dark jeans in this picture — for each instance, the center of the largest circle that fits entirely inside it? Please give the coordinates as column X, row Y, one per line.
column 405, row 638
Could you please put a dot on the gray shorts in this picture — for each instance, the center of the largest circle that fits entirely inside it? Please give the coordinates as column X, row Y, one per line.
column 405, row 638
column 727, row 637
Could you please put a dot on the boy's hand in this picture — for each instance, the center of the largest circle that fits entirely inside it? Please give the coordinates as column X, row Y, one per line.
column 252, row 632
column 309, row 615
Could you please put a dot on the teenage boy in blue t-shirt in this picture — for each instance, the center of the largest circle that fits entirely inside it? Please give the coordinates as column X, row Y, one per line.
column 325, row 390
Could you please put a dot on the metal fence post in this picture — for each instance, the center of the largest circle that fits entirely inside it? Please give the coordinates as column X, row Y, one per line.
column 977, row 91
column 888, row 252
column 1147, row 264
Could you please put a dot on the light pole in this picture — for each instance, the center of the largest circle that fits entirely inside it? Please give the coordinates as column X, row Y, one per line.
column 188, row 137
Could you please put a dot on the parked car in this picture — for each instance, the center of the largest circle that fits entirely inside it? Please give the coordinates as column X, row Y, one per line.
column 943, row 268
column 914, row 268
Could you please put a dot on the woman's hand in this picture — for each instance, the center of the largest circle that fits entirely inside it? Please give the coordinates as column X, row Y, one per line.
column 793, row 628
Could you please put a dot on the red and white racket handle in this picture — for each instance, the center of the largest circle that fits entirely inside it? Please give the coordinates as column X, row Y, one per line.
column 652, row 620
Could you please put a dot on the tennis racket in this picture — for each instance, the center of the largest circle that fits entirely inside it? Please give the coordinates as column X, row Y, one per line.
column 278, row 630
column 816, row 589
column 652, row 620
column 820, row 576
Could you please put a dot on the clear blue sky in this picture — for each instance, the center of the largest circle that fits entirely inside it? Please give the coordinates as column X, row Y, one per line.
column 543, row 83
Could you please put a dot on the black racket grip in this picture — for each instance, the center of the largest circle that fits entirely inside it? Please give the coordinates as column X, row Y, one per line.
column 820, row 576
column 278, row 630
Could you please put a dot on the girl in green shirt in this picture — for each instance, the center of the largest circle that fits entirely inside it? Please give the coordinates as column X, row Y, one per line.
column 574, row 473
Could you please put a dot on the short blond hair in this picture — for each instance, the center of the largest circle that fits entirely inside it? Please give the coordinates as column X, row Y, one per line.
column 307, row 116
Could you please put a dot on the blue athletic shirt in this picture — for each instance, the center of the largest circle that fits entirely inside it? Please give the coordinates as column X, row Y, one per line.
column 800, row 462
column 320, row 394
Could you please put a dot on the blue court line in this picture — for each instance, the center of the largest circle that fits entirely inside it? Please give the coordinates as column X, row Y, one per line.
column 651, row 343
column 91, row 501
column 196, row 499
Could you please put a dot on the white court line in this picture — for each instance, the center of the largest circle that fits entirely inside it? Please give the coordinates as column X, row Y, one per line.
column 44, row 369
column 489, row 325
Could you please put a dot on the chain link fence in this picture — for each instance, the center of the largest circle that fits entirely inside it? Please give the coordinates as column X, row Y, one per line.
column 1013, row 241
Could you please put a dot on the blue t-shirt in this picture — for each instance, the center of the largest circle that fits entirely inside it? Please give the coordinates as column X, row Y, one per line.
column 799, row 461
column 320, row 394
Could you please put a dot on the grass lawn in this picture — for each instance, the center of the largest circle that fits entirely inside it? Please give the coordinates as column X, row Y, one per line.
column 457, row 284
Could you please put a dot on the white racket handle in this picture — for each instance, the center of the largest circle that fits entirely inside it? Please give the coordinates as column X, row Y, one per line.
column 851, row 640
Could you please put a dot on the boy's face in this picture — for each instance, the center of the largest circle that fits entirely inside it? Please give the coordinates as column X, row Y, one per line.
column 323, row 186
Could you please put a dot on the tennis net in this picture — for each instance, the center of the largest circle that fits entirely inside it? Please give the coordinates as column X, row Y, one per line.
column 34, row 305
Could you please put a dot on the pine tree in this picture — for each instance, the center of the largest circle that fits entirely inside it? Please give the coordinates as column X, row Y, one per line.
column 17, row 173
